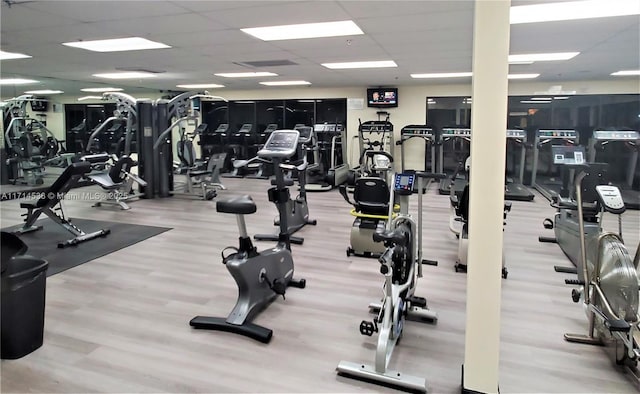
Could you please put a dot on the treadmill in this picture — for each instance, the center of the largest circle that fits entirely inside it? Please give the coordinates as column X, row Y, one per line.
column 330, row 155
column 515, row 190
column 455, row 135
column 549, row 184
column 427, row 135
column 613, row 143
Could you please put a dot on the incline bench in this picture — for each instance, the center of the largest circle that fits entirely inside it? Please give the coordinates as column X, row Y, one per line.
column 46, row 204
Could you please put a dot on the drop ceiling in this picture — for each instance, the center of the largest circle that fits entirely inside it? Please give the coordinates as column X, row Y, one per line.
column 420, row 36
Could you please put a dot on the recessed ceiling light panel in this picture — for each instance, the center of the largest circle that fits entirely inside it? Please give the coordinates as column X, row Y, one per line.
column 534, row 102
column 201, row 86
column 624, row 73
column 45, row 91
column 16, row 81
column 442, row 75
column 89, row 98
column 101, row 90
column 523, row 76
column 367, row 64
column 571, row 10
column 125, row 75
column 10, row 55
column 246, row 74
column 285, row 83
column 117, row 44
column 305, row 30
column 542, row 57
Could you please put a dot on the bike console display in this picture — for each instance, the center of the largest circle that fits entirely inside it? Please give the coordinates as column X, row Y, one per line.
column 571, row 154
column 403, row 183
column 281, row 144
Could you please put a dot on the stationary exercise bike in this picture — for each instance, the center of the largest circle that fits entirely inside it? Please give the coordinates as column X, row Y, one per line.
column 565, row 222
column 261, row 276
column 297, row 209
column 401, row 265
column 608, row 280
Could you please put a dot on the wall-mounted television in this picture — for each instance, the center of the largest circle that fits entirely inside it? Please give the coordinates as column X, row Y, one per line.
column 40, row 105
column 382, row 97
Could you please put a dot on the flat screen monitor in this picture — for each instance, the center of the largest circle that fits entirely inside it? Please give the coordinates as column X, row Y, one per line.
column 382, row 97
column 40, row 105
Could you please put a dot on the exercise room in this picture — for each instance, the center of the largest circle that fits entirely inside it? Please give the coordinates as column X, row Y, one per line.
column 320, row 196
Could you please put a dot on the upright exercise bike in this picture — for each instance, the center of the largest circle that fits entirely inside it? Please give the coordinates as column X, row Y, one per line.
column 608, row 280
column 401, row 265
column 260, row 276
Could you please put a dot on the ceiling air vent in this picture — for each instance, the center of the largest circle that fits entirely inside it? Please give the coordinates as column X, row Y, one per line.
column 266, row 63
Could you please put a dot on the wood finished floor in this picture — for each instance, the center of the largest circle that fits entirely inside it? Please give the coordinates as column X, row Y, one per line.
column 120, row 323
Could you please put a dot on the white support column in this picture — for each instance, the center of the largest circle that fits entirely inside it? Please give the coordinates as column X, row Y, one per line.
column 486, row 195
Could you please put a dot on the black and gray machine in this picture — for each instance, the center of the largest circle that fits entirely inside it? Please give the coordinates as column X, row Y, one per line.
column 370, row 209
column 419, row 132
column 401, row 264
column 297, row 209
column 261, row 276
column 460, row 141
column 549, row 182
column 332, row 169
column 373, row 135
column 607, row 280
column 262, row 170
column 565, row 223
column 515, row 190
column 619, row 146
column 238, row 145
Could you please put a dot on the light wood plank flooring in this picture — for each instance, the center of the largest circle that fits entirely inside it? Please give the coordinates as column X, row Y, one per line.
column 120, row 323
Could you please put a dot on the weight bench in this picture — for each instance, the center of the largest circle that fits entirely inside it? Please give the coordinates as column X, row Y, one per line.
column 52, row 197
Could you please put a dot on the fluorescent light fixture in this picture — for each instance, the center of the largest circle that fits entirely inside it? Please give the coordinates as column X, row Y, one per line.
column 305, row 30
column 45, row 91
column 16, row 81
column 522, row 76
column 126, row 75
column 564, row 11
column 542, row 57
column 369, row 64
column 89, row 98
column 285, row 83
column 516, row 63
column 247, row 74
column 117, row 44
column 10, row 55
column 561, row 98
column 308, row 101
column 101, row 90
column 624, row 73
column 201, row 86
column 443, row 75
column 541, row 98
column 534, row 102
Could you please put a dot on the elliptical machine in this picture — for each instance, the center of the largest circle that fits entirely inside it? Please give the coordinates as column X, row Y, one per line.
column 608, row 280
column 401, row 265
column 260, row 276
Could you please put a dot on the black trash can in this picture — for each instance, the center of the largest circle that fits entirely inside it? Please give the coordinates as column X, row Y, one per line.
column 23, row 284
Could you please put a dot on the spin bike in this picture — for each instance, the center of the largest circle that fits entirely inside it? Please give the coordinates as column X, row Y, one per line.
column 261, row 276
column 401, row 265
column 608, row 280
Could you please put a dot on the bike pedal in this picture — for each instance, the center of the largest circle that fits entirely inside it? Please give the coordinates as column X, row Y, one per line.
column 367, row 328
column 574, row 282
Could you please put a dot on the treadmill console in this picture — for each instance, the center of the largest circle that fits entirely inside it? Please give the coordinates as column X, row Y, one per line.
column 564, row 134
column 403, row 183
column 376, row 126
column 201, row 129
column 455, row 132
column 271, row 127
column 517, row 134
column 281, row 144
column 611, row 199
column 616, row 135
column 571, row 155
column 246, row 128
column 417, row 130
column 327, row 128
column 222, row 128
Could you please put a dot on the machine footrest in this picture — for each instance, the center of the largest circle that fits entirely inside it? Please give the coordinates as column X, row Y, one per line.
column 387, row 378
column 84, row 238
column 565, row 270
column 250, row 330
column 550, row 240
column 574, row 282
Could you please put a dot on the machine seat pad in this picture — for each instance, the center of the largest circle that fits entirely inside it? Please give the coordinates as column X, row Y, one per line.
column 104, row 180
column 373, row 208
column 28, row 205
column 287, row 182
column 618, row 325
column 242, row 205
